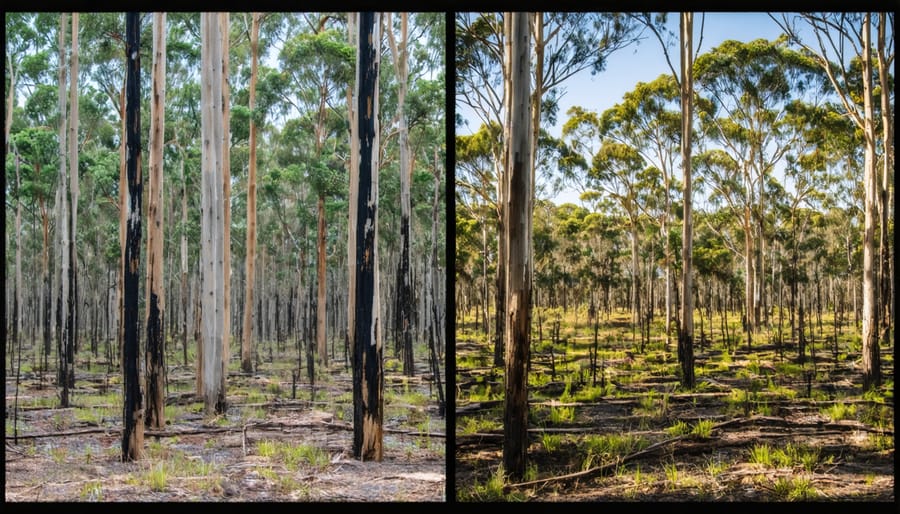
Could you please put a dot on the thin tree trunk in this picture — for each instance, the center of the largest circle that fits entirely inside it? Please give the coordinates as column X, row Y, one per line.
column 368, row 373
column 321, row 346
column 871, row 354
column 404, row 287
column 184, row 262
column 155, row 306
column 74, row 192
column 123, row 223
column 686, row 334
column 133, row 416
column 62, row 222
column 518, row 258
column 354, row 188
column 887, row 137
column 224, row 21
column 247, row 341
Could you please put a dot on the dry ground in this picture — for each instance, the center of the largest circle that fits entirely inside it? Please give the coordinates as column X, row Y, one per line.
column 62, row 459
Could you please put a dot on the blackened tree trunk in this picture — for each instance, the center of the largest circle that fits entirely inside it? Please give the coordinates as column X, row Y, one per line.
column 133, row 413
column 368, row 374
column 518, row 257
column 155, row 362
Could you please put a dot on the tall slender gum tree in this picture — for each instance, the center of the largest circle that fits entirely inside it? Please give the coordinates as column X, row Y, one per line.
column 71, row 342
column 133, row 412
column 155, row 306
column 518, row 257
column 212, row 226
column 400, row 54
column 62, row 212
column 368, row 372
column 352, row 34
column 225, row 24
column 871, row 354
column 247, row 339
column 686, row 331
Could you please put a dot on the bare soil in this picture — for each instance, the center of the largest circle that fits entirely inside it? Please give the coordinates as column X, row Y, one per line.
column 59, row 458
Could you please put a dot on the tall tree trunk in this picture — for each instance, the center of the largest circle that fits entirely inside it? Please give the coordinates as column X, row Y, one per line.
column 404, row 287
column 247, row 341
column 74, row 192
column 133, row 412
column 19, row 294
column 368, row 373
column 502, row 166
column 155, row 306
column 686, row 332
column 123, row 223
column 212, row 223
column 887, row 137
column 321, row 347
column 352, row 34
column 518, row 257
column 62, row 213
column 433, row 282
column 871, row 353
column 184, row 261
column 225, row 22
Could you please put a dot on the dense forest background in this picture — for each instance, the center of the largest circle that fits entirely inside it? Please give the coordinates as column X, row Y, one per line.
column 305, row 79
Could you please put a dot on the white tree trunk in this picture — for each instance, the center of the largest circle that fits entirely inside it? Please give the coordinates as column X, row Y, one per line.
column 212, row 248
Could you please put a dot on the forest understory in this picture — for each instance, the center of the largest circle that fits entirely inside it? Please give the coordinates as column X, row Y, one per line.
column 759, row 426
column 277, row 443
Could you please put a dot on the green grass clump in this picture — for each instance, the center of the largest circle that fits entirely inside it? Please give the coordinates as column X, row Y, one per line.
column 703, row 429
column 794, row 489
column 551, row 442
column 678, row 429
column 491, row 490
column 475, row 425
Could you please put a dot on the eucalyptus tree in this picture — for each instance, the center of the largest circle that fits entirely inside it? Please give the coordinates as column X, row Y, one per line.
column 132, row 411
column 617, row 172
column 399, row 46
column 843, row 38
column 565, row 43
column 250, row 274
column 712, row 260
column 212, row 206
column 106, row 62
column 518, row 200
column 155, row 305
column 748, row 87
column 37, row 147
column 476, row 166
column 368, row 372
column 317, row 67
column 645, row 120
column 66, row 197
column 686, row 330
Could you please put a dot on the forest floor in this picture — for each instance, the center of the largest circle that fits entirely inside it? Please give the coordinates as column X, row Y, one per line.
column 759, row 427
column 275, row 443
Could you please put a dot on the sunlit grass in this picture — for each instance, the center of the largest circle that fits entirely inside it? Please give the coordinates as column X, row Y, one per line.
column 476, row 425
column 490, row 490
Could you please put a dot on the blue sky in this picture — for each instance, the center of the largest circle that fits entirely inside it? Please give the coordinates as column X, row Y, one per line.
column 644, row 62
